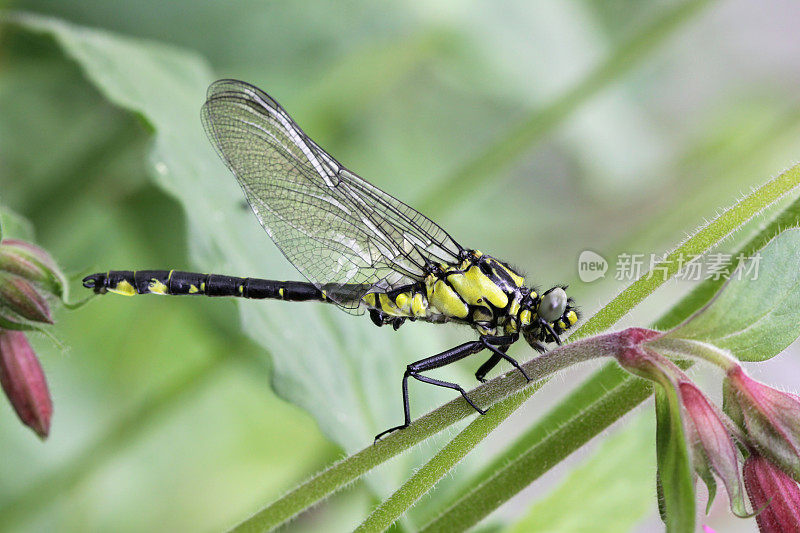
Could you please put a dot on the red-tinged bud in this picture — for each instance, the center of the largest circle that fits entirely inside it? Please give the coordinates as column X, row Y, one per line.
column 770, row 418
column 711, row 443
column 706, row 429
column 774, row 493
column 23, row 381
column 32, row 263
column 16, row 263
column 633, row 357
column 20, row 296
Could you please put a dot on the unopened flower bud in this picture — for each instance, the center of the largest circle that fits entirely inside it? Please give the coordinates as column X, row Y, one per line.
column 23, row 381
column 770, row 418
column 707, row 430
column 32, row 263
column 774, row 495
column 19, row 296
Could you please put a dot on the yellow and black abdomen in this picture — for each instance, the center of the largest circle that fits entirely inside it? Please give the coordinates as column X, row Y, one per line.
column 176, row 282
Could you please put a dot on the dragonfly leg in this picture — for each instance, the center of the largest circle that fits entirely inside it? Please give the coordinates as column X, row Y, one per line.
column 500, row 352
column 430, row 363
column 550, row 330
column 486, row 367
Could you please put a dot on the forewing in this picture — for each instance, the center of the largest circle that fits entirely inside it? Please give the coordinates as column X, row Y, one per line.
column 342, row 233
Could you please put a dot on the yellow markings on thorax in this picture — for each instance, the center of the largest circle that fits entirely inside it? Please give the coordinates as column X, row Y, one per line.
column 419, row 305
column 481, row 314
column 369, row 299
column 476, row 288
column 511, row 326
column 399, row 307
column 403, row 300
column 518, row 280
column 386, row 303
column 124, row 288
column 444, row 298
column 525, row 317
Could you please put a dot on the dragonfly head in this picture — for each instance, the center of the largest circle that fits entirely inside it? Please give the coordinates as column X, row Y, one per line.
column 548, row 316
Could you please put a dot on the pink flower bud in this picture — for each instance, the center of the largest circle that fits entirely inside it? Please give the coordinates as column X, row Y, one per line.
column 774, row 493
column 770, row 418
column 21, row 297
column 707, row 430
column 23, row 381
column 711, row 443
column 32, row 263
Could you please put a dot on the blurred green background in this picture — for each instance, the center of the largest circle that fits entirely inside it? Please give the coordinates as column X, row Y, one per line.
column 532, row 131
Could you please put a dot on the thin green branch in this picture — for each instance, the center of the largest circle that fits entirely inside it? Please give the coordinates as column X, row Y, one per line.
column 507, row 149
column 453, row 452
column 356, row 465
column 708, row 236
column 513, row 477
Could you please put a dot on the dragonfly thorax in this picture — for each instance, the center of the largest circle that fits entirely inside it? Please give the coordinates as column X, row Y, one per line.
column 481, row 291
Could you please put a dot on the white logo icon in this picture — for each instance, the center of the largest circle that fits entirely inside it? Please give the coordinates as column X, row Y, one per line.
column 591, row 266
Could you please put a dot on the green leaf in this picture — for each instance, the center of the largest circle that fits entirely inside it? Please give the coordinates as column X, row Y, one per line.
column 613, row 487
column 675, row 475
column 701, row 241
column 704, row 292
column 328, row 372
column 757, row 314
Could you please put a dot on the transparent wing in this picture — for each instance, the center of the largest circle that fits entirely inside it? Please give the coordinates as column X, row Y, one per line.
column 344, row 235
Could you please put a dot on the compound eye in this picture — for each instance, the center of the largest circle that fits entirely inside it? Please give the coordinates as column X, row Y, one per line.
column 553, row 304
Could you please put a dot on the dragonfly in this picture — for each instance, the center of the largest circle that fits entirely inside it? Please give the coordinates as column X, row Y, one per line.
column 357, row 247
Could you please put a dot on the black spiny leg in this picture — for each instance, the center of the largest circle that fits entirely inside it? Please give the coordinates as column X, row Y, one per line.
column 551, row 331
column 499, row 345
column 430, row 363
column 538, row 346
column 487, row 367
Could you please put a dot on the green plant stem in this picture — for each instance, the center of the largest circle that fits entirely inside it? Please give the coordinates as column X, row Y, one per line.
column 550, row 450
column 702, row 293
column 454, row 451
column 597, row 403
column 724, row 224
column 507, row 149
column 356, row 465
column 684, row 348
